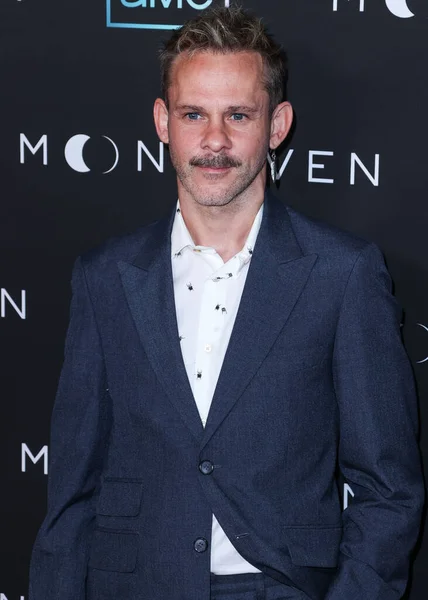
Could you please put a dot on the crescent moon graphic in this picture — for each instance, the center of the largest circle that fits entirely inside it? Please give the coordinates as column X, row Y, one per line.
column 426, row 329
column 116, row 149
column 399, row 8
column 74, row 153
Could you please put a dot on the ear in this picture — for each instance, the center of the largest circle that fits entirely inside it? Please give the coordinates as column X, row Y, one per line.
column 281, row 122
column 160, row 115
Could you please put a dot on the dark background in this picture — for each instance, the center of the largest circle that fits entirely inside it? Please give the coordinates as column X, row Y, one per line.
column 359, row 86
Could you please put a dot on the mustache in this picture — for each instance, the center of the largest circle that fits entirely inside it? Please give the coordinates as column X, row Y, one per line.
column 215, row 162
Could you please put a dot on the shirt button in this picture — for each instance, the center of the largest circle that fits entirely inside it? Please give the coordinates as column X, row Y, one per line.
column 200, row 545
column 208, row 347
column 206, row 467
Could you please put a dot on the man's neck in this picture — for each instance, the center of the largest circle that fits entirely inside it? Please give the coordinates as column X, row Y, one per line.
column 224, row 228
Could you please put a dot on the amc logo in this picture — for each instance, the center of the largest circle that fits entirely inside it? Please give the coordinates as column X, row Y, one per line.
column 155, row 14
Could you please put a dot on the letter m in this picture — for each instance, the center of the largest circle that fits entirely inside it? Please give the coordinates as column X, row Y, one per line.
column 25, row 143
column 336, row 2
column 26, row 452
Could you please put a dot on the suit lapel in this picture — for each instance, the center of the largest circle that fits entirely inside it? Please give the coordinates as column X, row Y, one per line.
column 149, row 290
column 277, row 275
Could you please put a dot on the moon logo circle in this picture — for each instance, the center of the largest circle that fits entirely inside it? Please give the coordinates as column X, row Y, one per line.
column 425, row 359
column 399, row 8
column 74, row 153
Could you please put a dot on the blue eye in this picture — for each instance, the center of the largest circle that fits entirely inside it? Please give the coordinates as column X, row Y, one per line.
column 238, row 117
column 193, row 116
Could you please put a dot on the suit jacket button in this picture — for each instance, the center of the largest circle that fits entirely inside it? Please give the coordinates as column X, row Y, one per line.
column 206, row 467
column 200, row 545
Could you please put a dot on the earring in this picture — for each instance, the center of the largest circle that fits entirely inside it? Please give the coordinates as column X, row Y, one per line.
column 271, row 157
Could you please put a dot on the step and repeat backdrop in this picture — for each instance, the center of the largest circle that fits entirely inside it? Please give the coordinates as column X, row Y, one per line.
column 80, row 161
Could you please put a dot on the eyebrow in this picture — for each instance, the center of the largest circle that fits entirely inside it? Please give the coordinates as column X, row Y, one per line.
column 231, row 109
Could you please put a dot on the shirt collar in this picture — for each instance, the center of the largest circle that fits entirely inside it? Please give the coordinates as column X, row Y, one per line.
column 182, row 240
column 180, row 235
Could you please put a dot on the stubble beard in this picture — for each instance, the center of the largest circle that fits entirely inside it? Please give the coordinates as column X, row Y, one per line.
column 224, row 193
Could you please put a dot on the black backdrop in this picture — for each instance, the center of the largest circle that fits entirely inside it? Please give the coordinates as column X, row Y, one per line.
column 357, row 159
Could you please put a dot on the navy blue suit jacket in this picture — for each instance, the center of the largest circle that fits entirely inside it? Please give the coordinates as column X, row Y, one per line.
column 315, row 378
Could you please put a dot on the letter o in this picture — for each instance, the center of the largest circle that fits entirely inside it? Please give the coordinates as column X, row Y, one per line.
column 199, row 6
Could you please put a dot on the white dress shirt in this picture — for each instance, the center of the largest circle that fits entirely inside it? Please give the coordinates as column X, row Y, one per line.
column 207, row 294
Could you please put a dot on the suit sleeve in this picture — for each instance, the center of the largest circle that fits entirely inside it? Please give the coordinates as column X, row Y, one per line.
column 79, row 433
column 378, row 451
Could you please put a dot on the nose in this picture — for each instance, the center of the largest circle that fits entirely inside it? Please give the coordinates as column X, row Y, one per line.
column 216, row 137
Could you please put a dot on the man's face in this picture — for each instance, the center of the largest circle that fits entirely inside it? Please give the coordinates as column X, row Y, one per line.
column 218, row 126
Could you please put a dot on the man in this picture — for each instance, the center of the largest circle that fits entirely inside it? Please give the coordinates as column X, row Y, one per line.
column 221, row 366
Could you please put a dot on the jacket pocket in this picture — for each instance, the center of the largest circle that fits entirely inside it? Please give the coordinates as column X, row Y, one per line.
column 314, row 546
column 114, row 551
column 120, row 498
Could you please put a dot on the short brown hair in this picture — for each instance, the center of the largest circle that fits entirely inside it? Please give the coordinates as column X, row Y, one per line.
column 228, row 30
